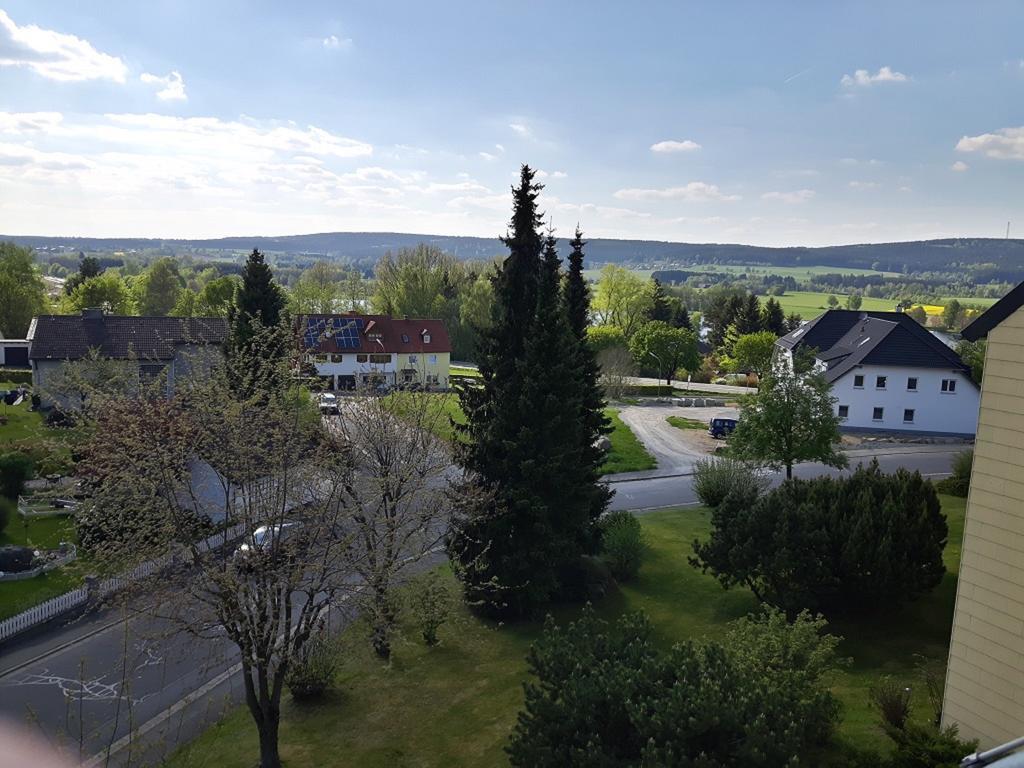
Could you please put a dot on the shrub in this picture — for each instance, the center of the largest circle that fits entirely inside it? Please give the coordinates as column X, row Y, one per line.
column 312, row 672
column 15, row 559
column 586, row 578
column 622, row 544
column 15, row 469
column 8, row 510
column 893, row 702
column 926, row 746
column 606, row 695
column 430, row 600
column 864, row 542
column 715, row 478
column 959, row 483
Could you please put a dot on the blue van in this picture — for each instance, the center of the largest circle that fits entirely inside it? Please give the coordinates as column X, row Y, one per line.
column 721, row 426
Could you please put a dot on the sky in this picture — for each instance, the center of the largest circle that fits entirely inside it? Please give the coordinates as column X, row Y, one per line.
column 783, row 123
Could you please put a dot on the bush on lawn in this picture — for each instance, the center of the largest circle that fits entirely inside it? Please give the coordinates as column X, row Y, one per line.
column 15, row 559
column 864, row 542
column 16, row 469
column 622, row 544
column 430, row 601
column 716, row 477
column 312, row 673
column 960, row 482
column 606, row 695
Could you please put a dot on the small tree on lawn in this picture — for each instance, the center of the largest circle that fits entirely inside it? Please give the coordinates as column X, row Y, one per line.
column 666, row 348
column 791, row 419
column 753, row 353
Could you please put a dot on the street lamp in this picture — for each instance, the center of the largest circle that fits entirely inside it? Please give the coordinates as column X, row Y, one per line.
column 661, row 367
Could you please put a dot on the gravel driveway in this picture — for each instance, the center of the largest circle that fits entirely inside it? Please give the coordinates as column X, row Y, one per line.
column 674, row 449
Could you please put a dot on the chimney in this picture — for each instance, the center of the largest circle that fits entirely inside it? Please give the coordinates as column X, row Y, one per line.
column 94, row 314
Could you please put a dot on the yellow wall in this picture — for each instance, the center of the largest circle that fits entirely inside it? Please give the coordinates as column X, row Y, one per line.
column 424, row 367
column 985, row 677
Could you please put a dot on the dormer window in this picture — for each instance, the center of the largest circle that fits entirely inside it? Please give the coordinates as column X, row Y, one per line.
column 426, row 337
column 405, row 338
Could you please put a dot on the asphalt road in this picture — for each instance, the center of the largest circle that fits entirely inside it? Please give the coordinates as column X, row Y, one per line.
column 106, row 680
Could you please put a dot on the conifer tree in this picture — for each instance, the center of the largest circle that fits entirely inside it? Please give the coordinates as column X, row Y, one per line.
column 525, row 434
column 577, row 292
column 773, row 318
column 660, row 309
column 258, row 301
column 748, row 318
column 681, row 317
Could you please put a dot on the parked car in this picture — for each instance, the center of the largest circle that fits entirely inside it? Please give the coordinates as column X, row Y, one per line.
column 263, row 539
column 329, row 404
column 721, row 426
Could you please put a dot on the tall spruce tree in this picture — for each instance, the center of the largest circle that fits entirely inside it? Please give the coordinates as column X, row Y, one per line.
column 681, row 317
column 258, row 302
column 587, row 379
column 748, row 318
column 660, row 307
column 773, row 318
column 525, row 434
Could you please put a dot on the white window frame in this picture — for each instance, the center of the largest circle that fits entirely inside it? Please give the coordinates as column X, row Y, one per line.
column 885, row 382
column 912, row 379
column 949, row 386
column 855, row 384
column 880, row 410
column 912, row 413
column 840, row 413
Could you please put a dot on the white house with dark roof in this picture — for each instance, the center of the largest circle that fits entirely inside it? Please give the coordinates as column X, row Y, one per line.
column 889, row 374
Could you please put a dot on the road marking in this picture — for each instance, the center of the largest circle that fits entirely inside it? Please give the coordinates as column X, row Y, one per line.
column 62, row 647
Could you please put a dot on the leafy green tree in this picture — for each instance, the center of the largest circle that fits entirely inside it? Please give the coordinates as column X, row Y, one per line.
column 667, row 348
column 607, row 696
column 772, row 317
column 753, row 353
column 844, row 545
column 973, row 354
column 258, row 302
column 157, row 289
column 524, row 430
column 88, row 267
column 22, row 291
column 790, row 419
column 952, row 315
column 602, row 337
column 216, row 297
column 187, row 304
column 622, row 299
column 832, row 302
column 107, row 290
column 917, row 312
column 317, row 290
column 853, row 300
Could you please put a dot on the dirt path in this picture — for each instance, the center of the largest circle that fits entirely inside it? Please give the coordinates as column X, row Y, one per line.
column 675, row 449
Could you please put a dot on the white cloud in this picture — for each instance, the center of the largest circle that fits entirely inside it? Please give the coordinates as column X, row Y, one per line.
column 666, row 147
column 864, row 185
column 694, row 192
column 334, row 43
column 552, row 175
column 488, row 156
column 521, row 129
column 1004, row 144
column 796, row 196
column 864, row 78
column 172, row 86
column 29, row 122
column 960, row 166
column 855, row 161
column 55, row 55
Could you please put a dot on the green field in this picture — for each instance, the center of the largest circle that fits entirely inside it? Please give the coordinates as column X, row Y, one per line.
column 455, row 705
column 753, row 269
column 627, row 454
column 809, row 304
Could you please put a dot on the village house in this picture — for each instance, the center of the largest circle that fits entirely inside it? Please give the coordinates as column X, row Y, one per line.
column 354, row 350
column 888, row 374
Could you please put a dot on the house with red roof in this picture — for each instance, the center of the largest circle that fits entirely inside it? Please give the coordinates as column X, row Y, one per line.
column 354, row 350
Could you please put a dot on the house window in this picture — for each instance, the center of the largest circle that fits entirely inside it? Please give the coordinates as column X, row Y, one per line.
column 908, row 415
column 150, row 371
column 380, row 359
column 361, row 358
column 912, row 384
column 949, row 385
column 878, row 414
column 880, row 382
column 413, row 359
column 426, row 338
column 432, row 378
column 432, row 359
column 844, row 411
column 337, row 358
column 320, row 358
column 858, row 382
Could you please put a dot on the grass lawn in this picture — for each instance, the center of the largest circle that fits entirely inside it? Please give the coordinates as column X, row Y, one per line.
column 46, row 532
column 809, row 304
column 455, row 705
column 22, row 424
column 445, row 407
column 681, row 422
column 627, row 454
column 458, row 370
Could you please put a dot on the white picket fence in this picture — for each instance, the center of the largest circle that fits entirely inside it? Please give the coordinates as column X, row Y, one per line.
column 56, row 606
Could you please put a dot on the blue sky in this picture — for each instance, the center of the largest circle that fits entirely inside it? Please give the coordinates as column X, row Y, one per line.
column 767, row 123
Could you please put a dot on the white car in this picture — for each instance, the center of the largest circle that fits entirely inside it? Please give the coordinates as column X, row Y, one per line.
column 263, row 538
column 329, row 404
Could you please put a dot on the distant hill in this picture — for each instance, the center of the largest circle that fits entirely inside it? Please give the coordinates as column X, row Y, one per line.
column 1003, row 258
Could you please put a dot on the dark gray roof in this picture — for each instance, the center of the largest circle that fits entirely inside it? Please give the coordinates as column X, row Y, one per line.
column 846, row 339
column 70, row 337
column 995, row 314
